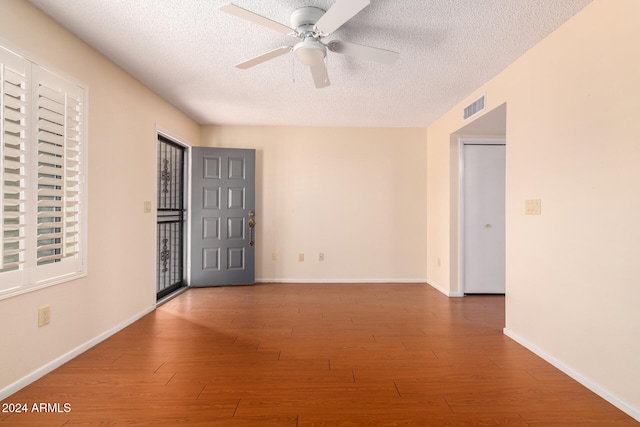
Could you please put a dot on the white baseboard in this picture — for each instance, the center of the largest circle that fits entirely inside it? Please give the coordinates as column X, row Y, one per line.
column 263, row 280
column 591, row 385
column 56, row 363
column 437, row 287
column 428, row 282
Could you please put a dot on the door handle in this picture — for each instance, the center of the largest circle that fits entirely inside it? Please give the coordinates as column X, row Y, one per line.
column 252, row 224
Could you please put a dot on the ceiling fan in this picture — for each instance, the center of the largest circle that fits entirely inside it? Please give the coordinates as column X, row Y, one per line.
column 311, row 25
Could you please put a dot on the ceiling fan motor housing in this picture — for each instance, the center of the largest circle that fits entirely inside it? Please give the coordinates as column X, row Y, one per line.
column 304, row 18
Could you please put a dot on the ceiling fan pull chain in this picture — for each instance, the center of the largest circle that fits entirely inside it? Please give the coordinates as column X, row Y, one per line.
column 293, row 69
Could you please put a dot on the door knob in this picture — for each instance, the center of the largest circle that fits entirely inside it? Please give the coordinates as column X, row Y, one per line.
column 252, row 224
column 487, row 226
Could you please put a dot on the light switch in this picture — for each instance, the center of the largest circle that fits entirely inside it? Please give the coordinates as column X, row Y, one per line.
column 147, row 207
column 532, row 207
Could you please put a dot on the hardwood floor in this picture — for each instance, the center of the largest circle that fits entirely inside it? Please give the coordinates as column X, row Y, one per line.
column 314, row 355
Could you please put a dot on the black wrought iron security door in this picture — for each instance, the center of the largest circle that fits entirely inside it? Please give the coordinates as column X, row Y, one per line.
column 171, row 217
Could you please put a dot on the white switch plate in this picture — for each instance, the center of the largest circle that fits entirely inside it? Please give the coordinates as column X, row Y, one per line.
column 532, row 207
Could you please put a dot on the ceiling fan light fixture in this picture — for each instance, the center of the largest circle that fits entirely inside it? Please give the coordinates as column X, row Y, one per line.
column 310, row 52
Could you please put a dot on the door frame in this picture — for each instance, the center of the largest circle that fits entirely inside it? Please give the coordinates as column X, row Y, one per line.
column 187, row 204
column 462, row 141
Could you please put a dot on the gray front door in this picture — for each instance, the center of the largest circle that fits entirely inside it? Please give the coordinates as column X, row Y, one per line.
column 222, row 216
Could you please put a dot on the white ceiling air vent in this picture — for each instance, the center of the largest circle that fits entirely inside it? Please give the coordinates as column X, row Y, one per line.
column 474, row 108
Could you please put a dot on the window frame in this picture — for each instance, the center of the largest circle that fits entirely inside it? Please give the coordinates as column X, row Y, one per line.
column 46, row 255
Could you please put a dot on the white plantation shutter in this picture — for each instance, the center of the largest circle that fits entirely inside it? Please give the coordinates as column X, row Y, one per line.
column 14, row 108
column 51, row 130
column 59, row 173
column 74, row 176
column 43, row 152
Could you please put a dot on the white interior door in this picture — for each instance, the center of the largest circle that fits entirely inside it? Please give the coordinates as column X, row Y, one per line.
column 483, row 207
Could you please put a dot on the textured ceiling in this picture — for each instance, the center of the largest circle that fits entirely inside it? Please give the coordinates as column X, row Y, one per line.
column 185, row 51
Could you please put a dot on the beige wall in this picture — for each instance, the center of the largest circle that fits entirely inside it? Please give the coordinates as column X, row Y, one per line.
column 123, row 116
column 354, row 194
column 573, row 141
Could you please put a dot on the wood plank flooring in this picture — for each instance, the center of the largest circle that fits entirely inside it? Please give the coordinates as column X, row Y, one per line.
column 314, row 355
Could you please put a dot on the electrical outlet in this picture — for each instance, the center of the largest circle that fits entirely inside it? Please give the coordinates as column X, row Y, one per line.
column 301, row 257
column 44, row 316
column 274, row 256
column 321, row 256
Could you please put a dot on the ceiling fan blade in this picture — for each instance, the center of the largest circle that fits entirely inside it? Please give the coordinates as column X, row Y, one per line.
column 255, row 18
column 264, row 57
column 367, row 52
column 339, row 13
column 320, row 75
